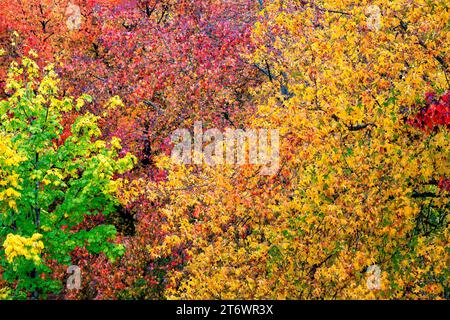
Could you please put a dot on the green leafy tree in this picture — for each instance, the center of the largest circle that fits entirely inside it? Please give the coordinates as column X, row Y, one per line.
column 50, row 180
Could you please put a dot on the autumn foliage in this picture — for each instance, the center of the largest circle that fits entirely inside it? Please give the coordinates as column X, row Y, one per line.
column 91, row 91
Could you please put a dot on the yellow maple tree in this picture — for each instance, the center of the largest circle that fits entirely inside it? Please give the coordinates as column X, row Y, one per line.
column 357, row 188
